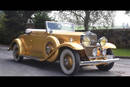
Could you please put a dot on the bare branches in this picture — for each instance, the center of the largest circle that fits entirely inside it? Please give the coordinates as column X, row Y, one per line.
column 88, row 18
column 78, row 15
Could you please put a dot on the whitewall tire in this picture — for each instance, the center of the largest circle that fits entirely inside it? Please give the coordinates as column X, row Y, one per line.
column 69, row 61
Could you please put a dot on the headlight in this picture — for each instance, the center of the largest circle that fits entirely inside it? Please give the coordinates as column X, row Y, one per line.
column 85, row 41
column 96, row 52
column 103, row 41
column 104, row 52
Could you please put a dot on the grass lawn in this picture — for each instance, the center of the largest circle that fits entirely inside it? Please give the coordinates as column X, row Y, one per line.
column 121, row 52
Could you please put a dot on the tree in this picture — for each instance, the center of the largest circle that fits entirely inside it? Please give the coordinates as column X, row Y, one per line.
column 39, row 18
column 2, row 20
column 2, row 28
column 17, row 19
column 14, row 24
column 88, row 18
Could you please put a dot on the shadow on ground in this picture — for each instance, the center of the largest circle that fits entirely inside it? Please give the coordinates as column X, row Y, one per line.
column 55, row 68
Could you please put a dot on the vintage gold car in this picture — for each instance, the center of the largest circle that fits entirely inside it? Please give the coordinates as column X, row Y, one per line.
column 60, row 42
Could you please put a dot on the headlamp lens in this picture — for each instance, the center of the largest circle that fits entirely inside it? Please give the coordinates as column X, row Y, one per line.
column 103, row 41
column 86, row 41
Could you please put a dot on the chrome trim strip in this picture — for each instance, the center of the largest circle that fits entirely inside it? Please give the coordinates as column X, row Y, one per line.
column 94, row 62
column 96, row 57
column 107, row 56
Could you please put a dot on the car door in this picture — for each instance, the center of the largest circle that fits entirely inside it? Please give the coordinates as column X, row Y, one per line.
column 37, row 43
column 27, row 40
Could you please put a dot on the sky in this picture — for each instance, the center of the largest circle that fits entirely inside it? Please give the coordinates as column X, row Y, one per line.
column 121, row 18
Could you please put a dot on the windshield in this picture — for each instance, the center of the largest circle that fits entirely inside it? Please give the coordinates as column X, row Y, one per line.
column 60, row 26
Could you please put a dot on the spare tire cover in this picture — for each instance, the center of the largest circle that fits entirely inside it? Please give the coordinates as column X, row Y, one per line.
column 54, row 42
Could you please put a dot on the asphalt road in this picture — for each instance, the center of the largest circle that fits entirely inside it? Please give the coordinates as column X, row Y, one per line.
column 29, row 67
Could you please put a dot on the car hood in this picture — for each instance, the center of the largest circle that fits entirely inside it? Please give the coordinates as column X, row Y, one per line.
column 66, row 36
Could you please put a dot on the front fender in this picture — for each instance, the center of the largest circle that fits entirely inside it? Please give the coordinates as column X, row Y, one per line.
column 109, row 45
column 72, row 45
column 19, row 43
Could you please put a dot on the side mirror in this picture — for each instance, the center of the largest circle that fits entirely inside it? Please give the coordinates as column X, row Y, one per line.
column 28, row 32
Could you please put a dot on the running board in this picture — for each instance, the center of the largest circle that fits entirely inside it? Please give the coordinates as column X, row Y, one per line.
column 34, row 58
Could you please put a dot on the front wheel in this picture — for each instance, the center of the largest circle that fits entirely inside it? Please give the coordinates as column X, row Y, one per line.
column 69, row 61
column 106, row 67
column 16, row 55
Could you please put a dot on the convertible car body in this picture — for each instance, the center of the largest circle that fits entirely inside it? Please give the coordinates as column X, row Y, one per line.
column 59, row 42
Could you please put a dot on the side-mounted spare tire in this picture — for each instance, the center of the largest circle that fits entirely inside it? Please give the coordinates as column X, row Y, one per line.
column 50, row 45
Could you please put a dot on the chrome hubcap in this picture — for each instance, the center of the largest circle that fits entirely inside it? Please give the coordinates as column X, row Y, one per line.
column 49, row 48
column 68, row 62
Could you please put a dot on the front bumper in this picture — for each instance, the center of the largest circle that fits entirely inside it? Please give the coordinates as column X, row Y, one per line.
column 96, row 62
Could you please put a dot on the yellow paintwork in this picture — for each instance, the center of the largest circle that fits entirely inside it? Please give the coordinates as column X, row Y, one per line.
column 64, row 36
column 56, row 44
column 109, row 45
column 34, row 44
column 72, row 45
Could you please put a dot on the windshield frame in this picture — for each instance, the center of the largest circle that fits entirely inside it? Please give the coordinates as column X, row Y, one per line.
column 49, row 30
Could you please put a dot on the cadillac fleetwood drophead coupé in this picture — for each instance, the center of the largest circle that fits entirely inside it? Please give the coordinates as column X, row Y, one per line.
column 59, row 42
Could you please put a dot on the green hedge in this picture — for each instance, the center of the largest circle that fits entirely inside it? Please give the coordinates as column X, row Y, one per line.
column 120, row 37
column 7, row 36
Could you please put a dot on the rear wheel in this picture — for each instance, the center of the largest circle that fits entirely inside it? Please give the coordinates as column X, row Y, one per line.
column 16, row 55
column 106, row 67
column 69, row 61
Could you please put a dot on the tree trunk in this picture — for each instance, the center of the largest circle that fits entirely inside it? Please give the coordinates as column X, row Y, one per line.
column 86, row 20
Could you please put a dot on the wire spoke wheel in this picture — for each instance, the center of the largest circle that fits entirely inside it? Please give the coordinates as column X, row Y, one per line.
column 69, row 61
